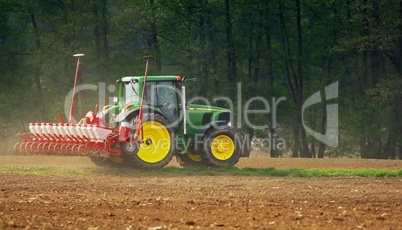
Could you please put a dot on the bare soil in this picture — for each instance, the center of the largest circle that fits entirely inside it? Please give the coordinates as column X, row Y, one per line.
column 97, row 201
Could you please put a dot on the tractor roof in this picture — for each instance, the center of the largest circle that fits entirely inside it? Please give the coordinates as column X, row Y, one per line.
column 151, row 78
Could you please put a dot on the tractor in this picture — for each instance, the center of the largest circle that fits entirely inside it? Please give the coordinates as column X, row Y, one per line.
column 148, row 124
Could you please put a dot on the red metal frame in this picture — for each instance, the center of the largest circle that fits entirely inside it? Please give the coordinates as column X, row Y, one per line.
column 71, row 117
column 67, row 144
column 140, row 115
column 59, row 139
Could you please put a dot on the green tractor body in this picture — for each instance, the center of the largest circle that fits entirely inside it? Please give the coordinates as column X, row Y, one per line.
column 198, row 135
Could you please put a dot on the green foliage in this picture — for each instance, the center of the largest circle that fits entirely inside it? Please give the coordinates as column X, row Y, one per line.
column 221, row 43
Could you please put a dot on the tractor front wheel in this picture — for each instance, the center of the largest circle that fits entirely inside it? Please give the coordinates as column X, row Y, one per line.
column 221, row 147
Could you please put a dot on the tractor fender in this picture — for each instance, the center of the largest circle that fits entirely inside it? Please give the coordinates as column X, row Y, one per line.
column 211, row 125
column 130, row 114
column 124, row 114
column 125, row 117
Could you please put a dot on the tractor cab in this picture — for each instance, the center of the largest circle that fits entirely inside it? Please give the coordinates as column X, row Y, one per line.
column 162, row 95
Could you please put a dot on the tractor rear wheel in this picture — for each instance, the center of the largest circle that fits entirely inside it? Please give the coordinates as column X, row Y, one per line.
column 190, row 159
column 156, row 148
column 221, row 147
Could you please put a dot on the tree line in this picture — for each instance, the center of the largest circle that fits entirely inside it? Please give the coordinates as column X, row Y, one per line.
column 274, row 48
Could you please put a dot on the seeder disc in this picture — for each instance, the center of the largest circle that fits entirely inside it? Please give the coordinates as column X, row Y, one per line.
column 28, row 147
column 33, row 147
column 82, row 150
column 57, row 148
column 17, row 147
column 64, row 149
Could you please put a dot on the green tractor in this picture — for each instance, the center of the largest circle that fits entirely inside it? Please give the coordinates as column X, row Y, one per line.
column 197, row 135
column 148, row 124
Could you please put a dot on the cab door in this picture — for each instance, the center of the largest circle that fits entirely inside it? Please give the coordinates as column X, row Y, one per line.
column 164, row 96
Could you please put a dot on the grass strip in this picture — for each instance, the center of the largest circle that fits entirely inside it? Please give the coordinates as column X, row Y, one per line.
column 43, row 171
column 194, row 171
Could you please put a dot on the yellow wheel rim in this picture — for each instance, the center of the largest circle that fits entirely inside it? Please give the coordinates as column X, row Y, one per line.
column 222, row 147
column 194, row 156
column 156, row 142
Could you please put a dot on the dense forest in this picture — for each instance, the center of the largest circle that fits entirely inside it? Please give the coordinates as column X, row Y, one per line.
column 260, row 48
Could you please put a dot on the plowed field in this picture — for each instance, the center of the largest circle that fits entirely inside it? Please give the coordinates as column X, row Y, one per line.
column 102, row 201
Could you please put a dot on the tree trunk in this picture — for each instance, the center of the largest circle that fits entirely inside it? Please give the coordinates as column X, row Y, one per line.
column 271, row 77
column 399, row 94
column 97, row 32
column 269, row 54
column 99, row 10
column 324, row 121
column 399, row 118
column 296, row 137
column 286, row 56
column 395, row 60
column 153, row 41
column 105, row 29
column 203, row 42
column 40, row 103
column 400, row 152
column 289, row 72
column 321, row 150
column 257, row 55
column 231, row 53
column 363, row 147
column 305, row 148
column 389, row 149
column 313, row 150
